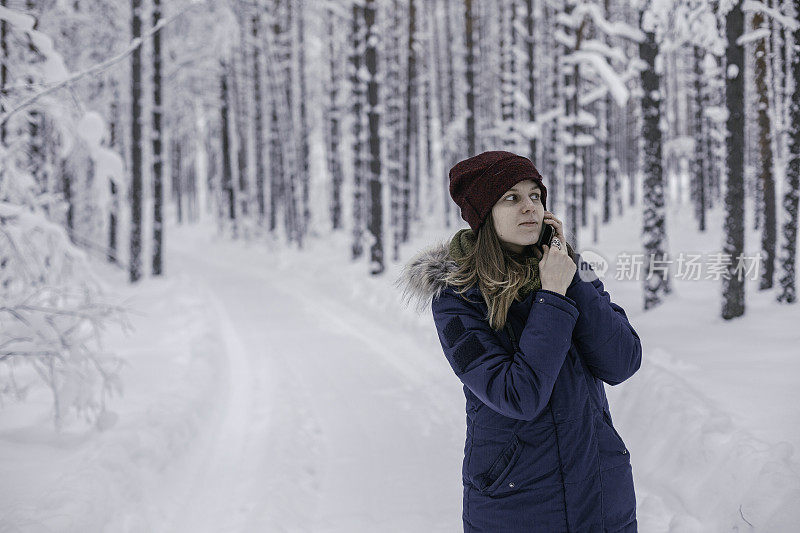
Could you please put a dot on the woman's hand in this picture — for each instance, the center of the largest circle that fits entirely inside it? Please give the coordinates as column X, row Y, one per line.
column 556, row 268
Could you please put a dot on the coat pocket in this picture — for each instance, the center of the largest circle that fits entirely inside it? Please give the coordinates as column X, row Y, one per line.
column 613, row 451
column 607, row 419
column 493, row 479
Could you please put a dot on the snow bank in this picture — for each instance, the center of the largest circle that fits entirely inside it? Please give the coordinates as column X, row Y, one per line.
column 82, row 480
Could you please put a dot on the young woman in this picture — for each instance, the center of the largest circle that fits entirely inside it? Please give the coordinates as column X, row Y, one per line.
column 532, row 337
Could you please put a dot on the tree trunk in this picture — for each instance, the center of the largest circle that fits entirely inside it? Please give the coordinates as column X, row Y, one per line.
column 787, row 281
column 258, row 112
column 111, row 255
column 530, row 74
column 765, row 177
column 334, row 128
column 698, row 168
column 227, row 187
column 733, row 284
column 177, row 181
column 412, row 120
column 304, row 173
column 375, row 222
column 358, row 163
column 470, row 69
column 135, row 264
column 3, row 70
column 654, row 229
column 158, row 188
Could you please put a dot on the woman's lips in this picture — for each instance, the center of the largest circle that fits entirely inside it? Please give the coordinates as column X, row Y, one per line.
column 528, row 224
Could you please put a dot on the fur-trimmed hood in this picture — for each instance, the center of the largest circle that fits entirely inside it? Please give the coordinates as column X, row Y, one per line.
column 423, row 277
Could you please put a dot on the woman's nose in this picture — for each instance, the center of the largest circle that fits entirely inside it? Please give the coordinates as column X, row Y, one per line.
column 528, row 205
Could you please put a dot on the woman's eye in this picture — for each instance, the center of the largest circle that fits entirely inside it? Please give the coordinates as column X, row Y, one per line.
column 536, row 194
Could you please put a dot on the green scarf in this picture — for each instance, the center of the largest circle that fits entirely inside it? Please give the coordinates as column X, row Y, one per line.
column 464, row 241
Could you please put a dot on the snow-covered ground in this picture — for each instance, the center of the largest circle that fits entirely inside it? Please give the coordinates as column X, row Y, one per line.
column 285, row 391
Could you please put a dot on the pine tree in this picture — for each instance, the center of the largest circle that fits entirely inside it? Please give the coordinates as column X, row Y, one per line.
column 573, row 167
column 333, row 118
column 469, row 17
column 304, row 173
column 530, row 74
column 375, row 221
column 768, row 232
column 135, row 262
column 114, row 144
column 357, row 88
column 258, row 111
column 733, row 283
column 158, row 188
column 508, row 87
column 788, row 293
column 395, row 127
column 654, row 229
column 411, row 138
column 698, row 169
column 3, row 70
column 227, row 189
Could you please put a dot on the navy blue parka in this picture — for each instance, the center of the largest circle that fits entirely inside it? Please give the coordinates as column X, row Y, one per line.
column 541, row 451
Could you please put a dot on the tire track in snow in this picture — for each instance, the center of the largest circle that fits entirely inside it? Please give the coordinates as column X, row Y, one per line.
column 352, row 440
column 216, row 465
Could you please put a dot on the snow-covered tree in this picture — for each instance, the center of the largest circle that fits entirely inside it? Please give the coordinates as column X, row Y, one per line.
column 375, row 212
column 53, row 309
column 733, row 284
column 788, row 269
column 583, row 30
column 137, row 163
column 652, row 21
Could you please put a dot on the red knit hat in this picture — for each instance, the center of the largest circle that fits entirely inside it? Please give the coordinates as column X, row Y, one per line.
column 477, row 183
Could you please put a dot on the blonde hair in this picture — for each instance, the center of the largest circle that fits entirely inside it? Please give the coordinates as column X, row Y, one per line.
column 499, row 273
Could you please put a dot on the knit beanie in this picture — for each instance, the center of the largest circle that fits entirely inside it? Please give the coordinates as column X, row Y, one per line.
column 477, row 183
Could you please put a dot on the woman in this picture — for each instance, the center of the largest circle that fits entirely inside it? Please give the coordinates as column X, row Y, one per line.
column 532, row 338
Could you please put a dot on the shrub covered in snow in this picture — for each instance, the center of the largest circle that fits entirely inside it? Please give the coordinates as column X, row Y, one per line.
column 52, row 308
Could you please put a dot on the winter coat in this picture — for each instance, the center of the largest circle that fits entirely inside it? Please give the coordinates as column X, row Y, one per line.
column 541, row 451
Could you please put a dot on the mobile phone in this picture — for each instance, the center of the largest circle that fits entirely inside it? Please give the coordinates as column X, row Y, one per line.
column 545, row 236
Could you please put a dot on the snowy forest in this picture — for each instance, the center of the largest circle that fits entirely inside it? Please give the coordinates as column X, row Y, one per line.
column 204, row 206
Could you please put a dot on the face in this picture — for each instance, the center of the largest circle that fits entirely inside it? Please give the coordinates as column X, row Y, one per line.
column 522, row 203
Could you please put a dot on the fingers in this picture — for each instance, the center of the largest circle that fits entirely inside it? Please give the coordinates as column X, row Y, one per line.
column 560, row 234
column 550, row 218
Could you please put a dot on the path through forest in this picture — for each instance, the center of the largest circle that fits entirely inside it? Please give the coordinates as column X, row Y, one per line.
column 318, row 428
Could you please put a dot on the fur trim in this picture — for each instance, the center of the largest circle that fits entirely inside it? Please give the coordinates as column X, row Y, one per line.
column 422, row 278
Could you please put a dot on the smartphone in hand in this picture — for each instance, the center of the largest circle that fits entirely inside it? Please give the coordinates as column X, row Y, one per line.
column 545, row 236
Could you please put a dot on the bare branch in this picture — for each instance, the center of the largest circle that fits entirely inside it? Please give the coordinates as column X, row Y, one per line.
column 134, row 44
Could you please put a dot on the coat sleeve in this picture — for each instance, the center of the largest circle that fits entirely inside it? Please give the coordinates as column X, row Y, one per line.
column 606, row 341
column 517, row 385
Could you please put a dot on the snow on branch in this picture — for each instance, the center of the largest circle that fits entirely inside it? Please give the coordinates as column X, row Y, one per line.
column 23, row 21
column 615, row 29
column 64, row 78
column 615, row 84
column 775, row 14
column 755, row 35
column 593, row 45
column 52, row 309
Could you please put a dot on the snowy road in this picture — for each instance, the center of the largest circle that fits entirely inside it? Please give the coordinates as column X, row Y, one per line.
column 260, row 397
column 320, row 428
